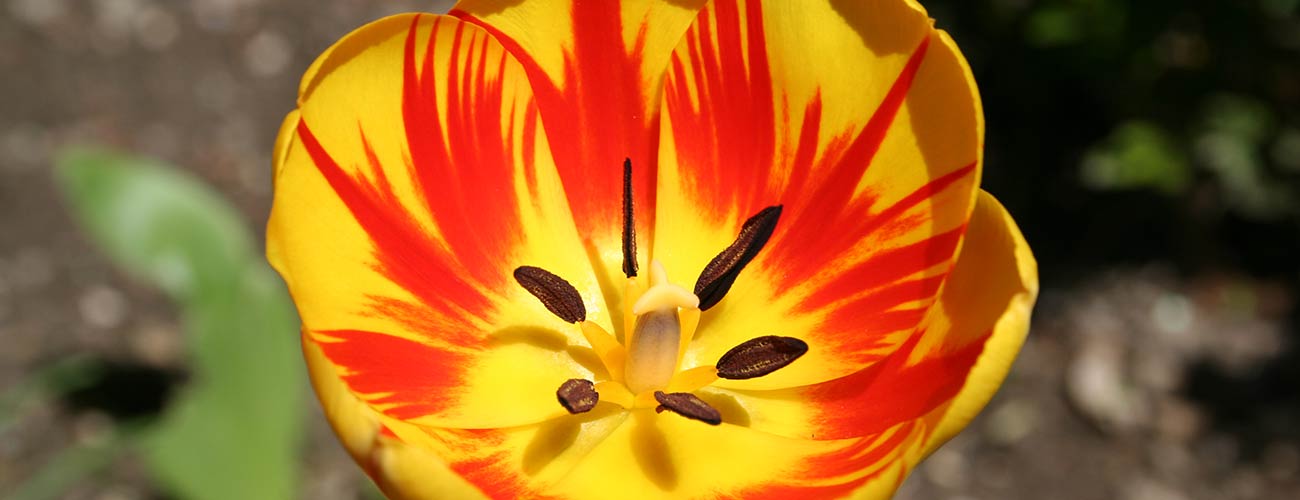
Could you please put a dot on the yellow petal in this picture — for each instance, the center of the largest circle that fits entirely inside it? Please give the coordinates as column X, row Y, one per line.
column 411, row 182
column 597, row 70
column 401, row 470
column 566, row 43
column 995, row 282
column 875, row 162
column 665, row 456
column 949, row 369
column 863, row 252
column 643, row 455
column 517, row 462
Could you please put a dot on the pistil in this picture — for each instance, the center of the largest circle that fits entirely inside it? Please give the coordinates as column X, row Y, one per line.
column 653, row 347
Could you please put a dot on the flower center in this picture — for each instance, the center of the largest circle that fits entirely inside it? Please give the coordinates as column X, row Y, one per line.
column 660, row 321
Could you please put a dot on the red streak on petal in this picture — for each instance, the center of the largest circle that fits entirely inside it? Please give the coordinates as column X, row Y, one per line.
column 727, row 140
column 465, row 174
column 824, row 476
column 886, row 267
column 727, row 143
column 891, row 392
column 405, row 253
column 402, row 378
column 466, row 179
column 859, row 327
column 892, row 295
column 806, row 245
column 599, row 116
column 869, row 339
column 496, row 473
column 915, row 198
column 891, row 404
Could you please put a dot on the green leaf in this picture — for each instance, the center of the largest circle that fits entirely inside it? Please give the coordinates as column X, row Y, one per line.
column 235, row 431
column 1054, row 26
column 1137, row 155
column 238, row 433
column 156, row 222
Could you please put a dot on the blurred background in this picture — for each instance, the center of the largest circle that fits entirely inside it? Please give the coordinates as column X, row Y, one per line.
column 1150, row 151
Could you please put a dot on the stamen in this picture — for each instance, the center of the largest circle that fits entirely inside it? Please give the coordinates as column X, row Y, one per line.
column 760, row 356
column 577, row 395
column 611, row 353
column 556, row 294
column 629, row 224
column 615, row 393
column 721, row 273
column 689, row 406
column 693, row 378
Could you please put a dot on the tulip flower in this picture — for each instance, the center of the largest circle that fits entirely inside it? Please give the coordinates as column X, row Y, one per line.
column 646, row 249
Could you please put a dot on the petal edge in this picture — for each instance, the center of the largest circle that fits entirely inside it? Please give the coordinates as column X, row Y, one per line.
column 992, row 226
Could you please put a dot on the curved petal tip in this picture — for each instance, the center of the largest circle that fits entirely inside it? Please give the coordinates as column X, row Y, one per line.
column 995, row 258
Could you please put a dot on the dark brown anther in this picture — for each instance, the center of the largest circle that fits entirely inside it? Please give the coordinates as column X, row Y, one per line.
column 689, row 406
column 760, row 356
column 577, row 395
column 629, row 223
column 721, row 273
column 557, row 295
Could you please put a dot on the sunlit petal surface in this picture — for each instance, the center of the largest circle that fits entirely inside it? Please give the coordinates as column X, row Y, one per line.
column 876, row 163
column 597, row 69
column 400, row 469
column 414, row 178
column 946, row 372
column 431, row 156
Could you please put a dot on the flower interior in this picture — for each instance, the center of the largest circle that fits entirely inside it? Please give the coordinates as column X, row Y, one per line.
column 793, row 287
column 660, row 320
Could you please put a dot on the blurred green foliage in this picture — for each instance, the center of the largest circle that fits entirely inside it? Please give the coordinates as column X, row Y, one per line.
column 235, row 430
column 1126, row 132
column 1233, row 134
column 1065, row 23
column 1137, row 154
